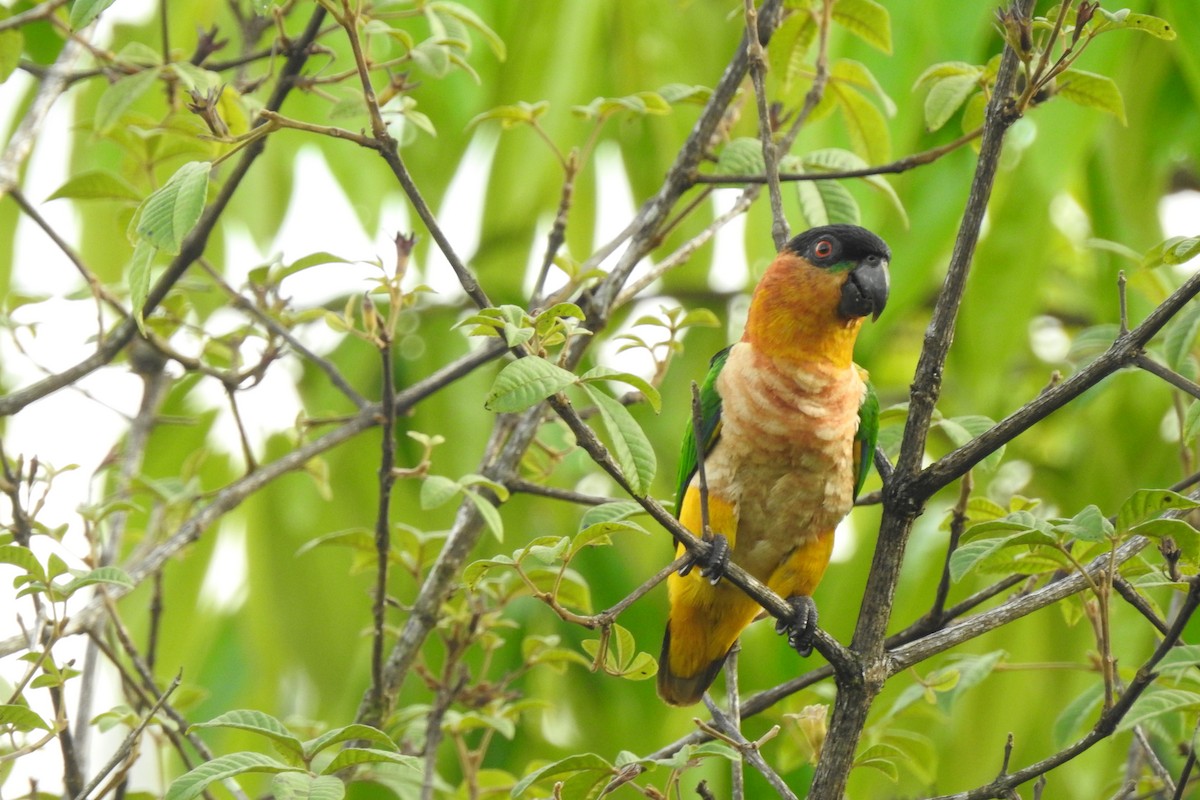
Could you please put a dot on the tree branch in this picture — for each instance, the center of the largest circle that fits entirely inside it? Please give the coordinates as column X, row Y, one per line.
column 857, row 689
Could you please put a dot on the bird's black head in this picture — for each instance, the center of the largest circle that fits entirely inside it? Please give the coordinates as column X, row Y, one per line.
column 862, row 255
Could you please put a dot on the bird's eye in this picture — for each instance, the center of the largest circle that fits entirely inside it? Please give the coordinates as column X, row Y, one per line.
column 824, row 249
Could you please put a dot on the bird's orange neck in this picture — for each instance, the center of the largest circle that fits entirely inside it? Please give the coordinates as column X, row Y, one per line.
column 793, row 314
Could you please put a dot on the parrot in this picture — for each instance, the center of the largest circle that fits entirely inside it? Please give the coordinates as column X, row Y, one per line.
column 788, row 424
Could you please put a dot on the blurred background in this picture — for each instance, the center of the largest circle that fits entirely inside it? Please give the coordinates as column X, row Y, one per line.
column 255, row 620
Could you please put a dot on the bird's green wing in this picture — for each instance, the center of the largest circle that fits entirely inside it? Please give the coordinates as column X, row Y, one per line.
column 710, row 431
column 866, row 436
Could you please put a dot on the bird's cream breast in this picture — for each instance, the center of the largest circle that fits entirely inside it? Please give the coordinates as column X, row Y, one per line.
column 785, row 457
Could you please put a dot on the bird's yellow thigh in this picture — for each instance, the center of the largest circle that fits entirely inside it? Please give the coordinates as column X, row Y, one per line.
column 722, row 517
column 802, row 570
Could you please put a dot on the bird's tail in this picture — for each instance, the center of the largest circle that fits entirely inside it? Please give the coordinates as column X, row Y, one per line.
column 704, row 624
column 684, row 690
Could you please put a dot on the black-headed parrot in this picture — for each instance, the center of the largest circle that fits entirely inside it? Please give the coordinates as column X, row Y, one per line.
column 788, row 424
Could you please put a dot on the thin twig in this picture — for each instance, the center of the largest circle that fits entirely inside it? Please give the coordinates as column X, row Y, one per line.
column 131, row 740
column 748, row 750
column 529, row 487
column 383, row 525
column 1167, row 374
column 39, row 12
column 958, row 523
column 758, row 69
column 274, row 326
column 737, row 782
column 894, row 167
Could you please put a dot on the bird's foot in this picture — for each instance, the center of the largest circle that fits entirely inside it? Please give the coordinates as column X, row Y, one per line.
column 712, row 564
column 802, row 626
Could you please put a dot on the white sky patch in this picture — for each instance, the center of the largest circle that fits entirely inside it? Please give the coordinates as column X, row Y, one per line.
column 1070, row 218
column 730, row 272
column 1180, row 215
column 845, row 541
column 461, row 215
column 637, row 360
column 1048, row 339
column 224, row 589
column 615, row 207
column 555, row 278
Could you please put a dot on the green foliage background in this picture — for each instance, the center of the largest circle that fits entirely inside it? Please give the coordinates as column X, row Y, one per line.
column 297, row 647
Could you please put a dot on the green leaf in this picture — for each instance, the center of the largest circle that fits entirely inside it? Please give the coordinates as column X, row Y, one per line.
column 1077, row 713
column 1186, row 537
column 24, row 558
column 973, row 116
column 857, row 74
column 835, row 159
column 789, row 46
column 946, row 96
column 865, row 124
column 742, row 156
column 261, row 723
column 826, row 203
column 1089, row 525
column 633, row 450
column 369, row 755
column 972, row 553
column 866, row 19
column 640, row 668
column 521, row 113
column 167, row 216
column 433, row 57
column 1147, row 504
column 1182, row 251
column 616, row 510
column 685, row 93
column 84, row 11
column 473, row 20
column 1092, row 91
column 1155, row 26
column 490, row 514
column 12, row 43
column 641, row 384
column 881, row 757
column 963, row 673
column 348, row 733
column 562, row 769
column 1180, row 337
column 193, row 784
column 962, row 430
column 946, row 69
column 1157, row 702
column 1180, row 657
column 640, row 103
column 110, row 575
column 96, row 185
column 139, row 278
column 118, row 97
column 526, row 382
column 143, row 55
column 477, row 569
column 599, row 533
column 1191, row 423
column 302, row 786
column 436, row 490
column 20, row 718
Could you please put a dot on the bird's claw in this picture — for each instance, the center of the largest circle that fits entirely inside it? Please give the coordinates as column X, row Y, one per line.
column 802, row 626
column 714, row 563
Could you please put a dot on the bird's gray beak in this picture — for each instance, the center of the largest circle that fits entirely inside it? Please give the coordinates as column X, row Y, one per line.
column 865, row 291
